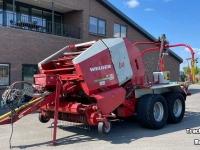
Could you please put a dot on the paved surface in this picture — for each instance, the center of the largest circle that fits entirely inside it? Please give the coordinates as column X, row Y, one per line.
column 29, row 133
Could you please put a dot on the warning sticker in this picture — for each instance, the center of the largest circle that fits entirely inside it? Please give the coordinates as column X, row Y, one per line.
column 108, row 77
column 102, row 83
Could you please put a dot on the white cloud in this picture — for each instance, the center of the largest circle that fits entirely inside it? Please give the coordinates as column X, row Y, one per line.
column 148, row 9
column 186, row 50
column 196, row 50
column 166, row 0
column 132, row 3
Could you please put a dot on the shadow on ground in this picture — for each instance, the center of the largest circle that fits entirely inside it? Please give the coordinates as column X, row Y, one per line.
column 194, row 91
column 124, row 131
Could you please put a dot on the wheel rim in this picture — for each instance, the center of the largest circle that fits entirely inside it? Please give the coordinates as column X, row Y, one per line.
column 177, row 108
column 158, row 111
column 46, row 118
column 107, row 129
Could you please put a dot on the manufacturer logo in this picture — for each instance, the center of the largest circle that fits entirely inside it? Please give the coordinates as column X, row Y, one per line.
column 100, row 68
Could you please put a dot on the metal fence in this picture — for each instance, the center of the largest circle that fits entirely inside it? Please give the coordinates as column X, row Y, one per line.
column 36, row 24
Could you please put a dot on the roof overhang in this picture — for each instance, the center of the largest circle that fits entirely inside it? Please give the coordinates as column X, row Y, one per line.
column 47, row 4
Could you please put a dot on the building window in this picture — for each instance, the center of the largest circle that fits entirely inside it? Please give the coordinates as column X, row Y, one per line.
column 120, row 30
column 9, row 15
column 36, row 16
column 97, row 26
column 1, row 12
column 4, row 74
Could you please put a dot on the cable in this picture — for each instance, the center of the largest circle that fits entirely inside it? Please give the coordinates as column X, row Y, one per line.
column 130, row 91
column 11, row 122
column 12, row 97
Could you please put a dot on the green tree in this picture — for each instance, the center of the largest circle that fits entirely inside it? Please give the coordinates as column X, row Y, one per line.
column 196, row 70
column 187, row 70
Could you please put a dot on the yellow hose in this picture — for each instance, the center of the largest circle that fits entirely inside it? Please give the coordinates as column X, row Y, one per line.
column 21, row 108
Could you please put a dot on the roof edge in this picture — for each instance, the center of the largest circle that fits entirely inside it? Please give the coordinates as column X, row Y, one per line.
column 125, row 18
column 133, row 24
column 175, row 56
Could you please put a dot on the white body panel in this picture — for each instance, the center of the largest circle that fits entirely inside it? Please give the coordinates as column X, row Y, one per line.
column 53, row 56
column 120, row 59
column 163, row 77
column 98, row 47
column 159, row 89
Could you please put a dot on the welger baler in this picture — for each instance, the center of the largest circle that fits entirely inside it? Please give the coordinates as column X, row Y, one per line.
column 97, row 81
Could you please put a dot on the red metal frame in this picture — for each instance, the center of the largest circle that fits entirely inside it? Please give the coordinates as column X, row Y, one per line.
column 165, row 47
column 19, row 115
column 68, row 80
column 57, row 99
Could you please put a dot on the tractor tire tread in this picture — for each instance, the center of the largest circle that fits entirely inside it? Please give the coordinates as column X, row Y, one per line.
column 144, row 111
column 170, row 99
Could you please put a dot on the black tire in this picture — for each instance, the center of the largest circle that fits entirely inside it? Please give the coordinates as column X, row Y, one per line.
column 43, row 119
column 102, row 128
column 176, row 106
column 146, row 113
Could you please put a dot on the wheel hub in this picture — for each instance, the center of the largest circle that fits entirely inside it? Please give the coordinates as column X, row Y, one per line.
column 177, row 108
column 107, row 129
column 158, row 111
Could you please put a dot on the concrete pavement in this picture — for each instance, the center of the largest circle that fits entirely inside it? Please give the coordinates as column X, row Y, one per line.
column 29, row 133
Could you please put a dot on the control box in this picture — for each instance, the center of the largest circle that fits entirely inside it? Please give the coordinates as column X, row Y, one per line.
column 161, row 77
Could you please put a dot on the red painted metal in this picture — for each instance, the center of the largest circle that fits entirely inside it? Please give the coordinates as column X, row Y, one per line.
column 122, row 111
column 45, row 79
column 185, row 45
column 104, row 120
column 136, row 62
column 67, row 107
column 23, row 113
column 149, row 49
column 88, row 91
column 57, row 99
column 93, row 73
column 142, row 43
column 166, row 47
column 57, row 70
column 110, row 100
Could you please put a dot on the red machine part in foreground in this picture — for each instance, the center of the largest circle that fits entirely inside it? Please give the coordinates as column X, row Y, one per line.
column 96, row 81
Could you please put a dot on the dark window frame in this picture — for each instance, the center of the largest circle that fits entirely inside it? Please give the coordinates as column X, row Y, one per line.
column 98, row 19
column 120, row 33
column 9, row 73
column 29, row 7
column 35, row 66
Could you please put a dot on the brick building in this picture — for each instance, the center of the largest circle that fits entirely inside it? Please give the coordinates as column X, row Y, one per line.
column 39, row 28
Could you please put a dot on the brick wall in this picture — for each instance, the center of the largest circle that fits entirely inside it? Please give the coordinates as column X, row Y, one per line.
column 173, row 66
column 20, row 46
column 150, row 58
column 75, row 19
column 78, row 18
column 26, row 47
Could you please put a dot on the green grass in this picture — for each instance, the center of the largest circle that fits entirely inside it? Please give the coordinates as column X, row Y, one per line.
column 198, row 83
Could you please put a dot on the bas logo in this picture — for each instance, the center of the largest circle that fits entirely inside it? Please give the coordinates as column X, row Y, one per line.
column 100, row 68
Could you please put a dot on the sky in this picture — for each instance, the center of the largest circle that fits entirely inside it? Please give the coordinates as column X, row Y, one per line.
column 179, row 20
